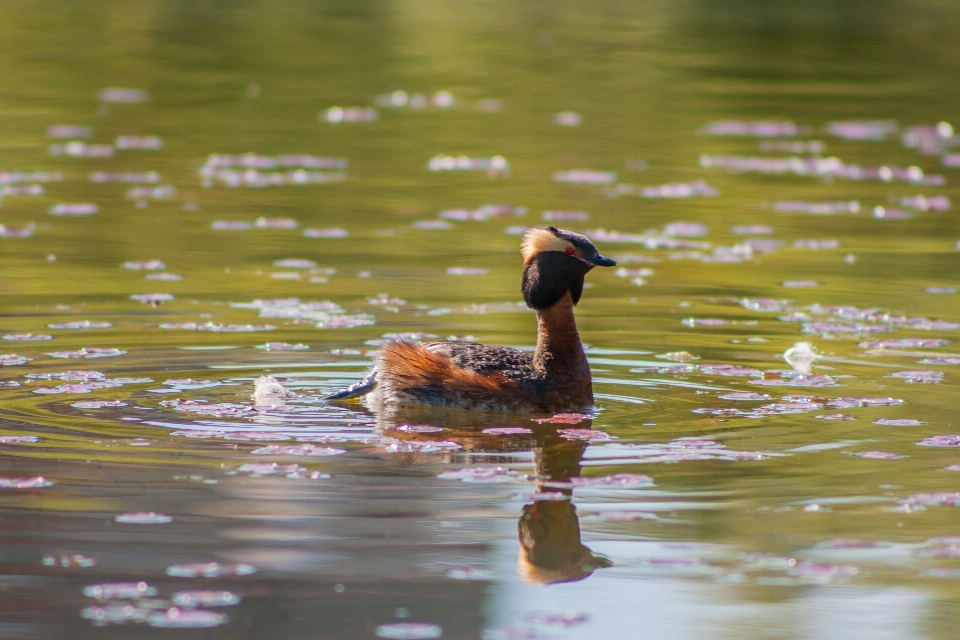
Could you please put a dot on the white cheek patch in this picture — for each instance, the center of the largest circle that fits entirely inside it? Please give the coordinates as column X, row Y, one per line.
column 539, row 240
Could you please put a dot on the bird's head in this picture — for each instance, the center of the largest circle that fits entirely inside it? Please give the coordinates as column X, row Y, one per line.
column 554, row 263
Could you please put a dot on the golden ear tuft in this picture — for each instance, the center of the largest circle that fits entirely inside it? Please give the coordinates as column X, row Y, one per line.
column 539, row 240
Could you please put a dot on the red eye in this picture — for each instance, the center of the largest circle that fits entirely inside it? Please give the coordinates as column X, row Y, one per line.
column 570, row 251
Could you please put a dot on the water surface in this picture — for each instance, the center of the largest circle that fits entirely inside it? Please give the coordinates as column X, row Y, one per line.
column 197, row 194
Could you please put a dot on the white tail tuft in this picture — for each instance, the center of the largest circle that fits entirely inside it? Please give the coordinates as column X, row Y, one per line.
column 268, row 392
column 801, row 356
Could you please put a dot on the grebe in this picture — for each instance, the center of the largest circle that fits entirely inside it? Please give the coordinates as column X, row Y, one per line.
column 475, row 376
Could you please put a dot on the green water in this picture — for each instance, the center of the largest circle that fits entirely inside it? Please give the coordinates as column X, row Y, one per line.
column 805, row 539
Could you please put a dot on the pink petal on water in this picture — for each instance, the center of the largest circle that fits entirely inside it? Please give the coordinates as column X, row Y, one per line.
column 146, row 265
column 564, row 418
column 146, row 143
column 507, row 431
column 763, row 129
column 68, row 131
column 143, row 517
column 899, row 422
column 199, row 433
column 27, row 336
column 122, row 96
column 175, row 618
column 73, row 561
column 619, row 480
column 230, row 225
column 432, row 225
column 483, row 474
column 941, row 441
column 209, row 570
column 718, row 411
column 923, row 377
column 408, row 631
column 471, row 573
column 98, row 404
column 703, row 322
column 334, row 232
column 306, row 449
column 939, row 361
column 22, row 232
column 567, row 119
column 887, row 213
column 467, row 271
column 816, row 244
column 585, row 176
column 565, row 215
column 834, row 416
column 786, row 380
column 729, row 370
column 850, row 543
column 625, row 516
column 295, row 263
column 583, row 434
column 417, row 428
column 792, row 407
column 752, row 229
column 18, row 439
column 745, row 395
column 942, row 499
column 119, row 590
column 74, row 209
column 862, row 401
column 422, row 446
column 83, row 324
column 36, row 482
column 275, row 223
column 697, row 188
column 152, row 298
column 822, row 574
column 204, row 598
column 282, row 346
column 88, row 352
column 905, row 343
column 187, row 382
column 879, row 455
column 256, row 436
column 83, row 376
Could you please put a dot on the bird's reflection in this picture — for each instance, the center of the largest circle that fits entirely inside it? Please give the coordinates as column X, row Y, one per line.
column 551, row 550
column 549, row 528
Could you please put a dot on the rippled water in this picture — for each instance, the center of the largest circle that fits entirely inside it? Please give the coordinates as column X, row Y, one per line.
column 193, row 195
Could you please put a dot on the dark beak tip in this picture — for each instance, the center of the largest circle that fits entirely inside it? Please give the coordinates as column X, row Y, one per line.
column 600, row 261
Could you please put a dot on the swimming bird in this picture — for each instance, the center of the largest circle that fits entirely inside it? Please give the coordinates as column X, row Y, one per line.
column 474, row 376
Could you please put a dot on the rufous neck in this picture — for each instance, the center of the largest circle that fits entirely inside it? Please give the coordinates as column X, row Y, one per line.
column 558, row 343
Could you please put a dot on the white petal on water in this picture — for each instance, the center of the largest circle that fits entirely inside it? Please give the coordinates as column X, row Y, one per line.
column 801, row 356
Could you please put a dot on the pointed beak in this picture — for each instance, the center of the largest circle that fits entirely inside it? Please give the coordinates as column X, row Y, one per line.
column 600, row 261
